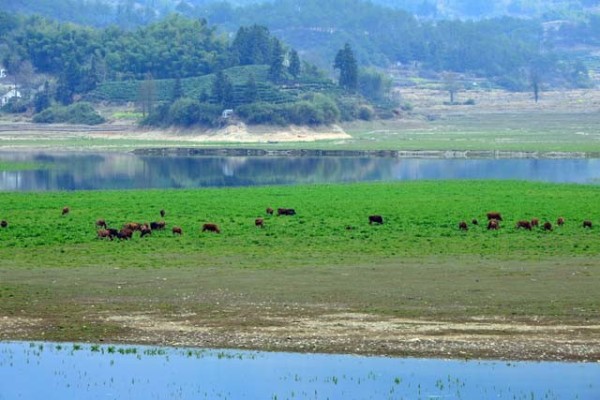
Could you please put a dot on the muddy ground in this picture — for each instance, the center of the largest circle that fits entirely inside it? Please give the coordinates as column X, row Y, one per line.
column 341, row 332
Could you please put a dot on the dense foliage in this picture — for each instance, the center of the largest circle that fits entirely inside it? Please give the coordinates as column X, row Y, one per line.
column 178, row 70
column 382, row 33
column 180, row 58
column 79, row 113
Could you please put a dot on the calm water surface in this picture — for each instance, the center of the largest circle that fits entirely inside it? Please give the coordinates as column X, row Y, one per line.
column 85, row 171
column 72, row 371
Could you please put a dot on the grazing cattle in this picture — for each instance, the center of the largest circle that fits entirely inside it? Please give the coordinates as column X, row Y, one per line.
column 177, row 230
column 375, row 219
column 349, row 227
column 494, row 215
column 474, row 222
column 560, row 221
column 547, row 226
column 157, row 225
column 587, row 224
column 259, row 222
column 493, row 225
column 125, row 234
column 134, row 226
column 211, row 228
column 162, row 213
column 113, row 232
column 145, row 230
column 65, row 210
column 104, row 233
column 286, row 211
column 462, row 225
column 101, row 223
column 3, row 223
column 524, row 224
column 535, row 222
column 269, row 211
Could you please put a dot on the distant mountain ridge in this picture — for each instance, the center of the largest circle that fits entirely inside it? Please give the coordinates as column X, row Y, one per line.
column 135, row 12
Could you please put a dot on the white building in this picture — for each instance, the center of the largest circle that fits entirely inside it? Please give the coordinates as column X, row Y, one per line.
column 5, row 98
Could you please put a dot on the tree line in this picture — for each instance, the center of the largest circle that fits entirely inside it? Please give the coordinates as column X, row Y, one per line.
column 77, row 61
column 503, row 50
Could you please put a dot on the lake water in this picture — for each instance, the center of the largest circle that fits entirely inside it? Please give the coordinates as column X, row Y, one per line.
column 73, row 371
column 88, row 171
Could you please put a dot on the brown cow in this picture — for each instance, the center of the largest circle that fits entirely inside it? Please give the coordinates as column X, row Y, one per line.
column 145, row 230
column 3, row 223
column 101, row 223
column 259, row 222
column 269, row 211
column 535, row 222
column 494, row 215
column 162, row 213
column 211, row 228
column 524, row 224
column 462, row 225
column 177, row 230
column 560, row 221
column 547, row 226
column 286, row 211
column 134, row 226
column 493, row 225
column 104, row 233
column 65, row 210
column 125, row 234
column 375, row 219
column 474, row 221
column 587, row 224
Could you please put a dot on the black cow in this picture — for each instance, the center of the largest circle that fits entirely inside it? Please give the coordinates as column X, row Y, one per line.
column 375, row 219
column 286, row 211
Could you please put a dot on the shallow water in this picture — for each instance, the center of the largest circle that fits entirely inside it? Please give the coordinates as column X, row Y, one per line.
column 88, row 171
column 73, row 371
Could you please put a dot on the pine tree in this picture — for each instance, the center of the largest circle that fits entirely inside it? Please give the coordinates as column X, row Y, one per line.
column 294, row 68
column 222, row 89
column 177, row 90
column 346, row 63
column 276, row 71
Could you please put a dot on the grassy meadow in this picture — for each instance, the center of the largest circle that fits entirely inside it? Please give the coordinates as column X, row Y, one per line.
column 331, row 225
column 417, row 264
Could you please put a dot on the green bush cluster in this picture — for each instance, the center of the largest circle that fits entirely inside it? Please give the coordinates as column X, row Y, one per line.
column 78, row 113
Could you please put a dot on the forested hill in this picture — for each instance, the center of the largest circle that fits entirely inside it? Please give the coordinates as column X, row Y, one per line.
column 134, row 12
column 506, row 51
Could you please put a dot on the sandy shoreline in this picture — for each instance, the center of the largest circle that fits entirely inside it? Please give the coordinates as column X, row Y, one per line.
column 238, row 133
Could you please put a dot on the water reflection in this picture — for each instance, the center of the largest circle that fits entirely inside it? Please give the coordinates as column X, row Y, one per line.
column 85, row 171
column 73, row 371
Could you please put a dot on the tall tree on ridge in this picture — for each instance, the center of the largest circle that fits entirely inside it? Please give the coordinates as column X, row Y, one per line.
column 346, row 63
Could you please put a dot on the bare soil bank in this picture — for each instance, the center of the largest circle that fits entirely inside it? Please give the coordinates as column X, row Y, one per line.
column 301, row 330
column 235, row 133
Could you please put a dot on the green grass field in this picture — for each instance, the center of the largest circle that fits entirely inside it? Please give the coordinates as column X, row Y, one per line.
column 417, row 264
column 420, row 220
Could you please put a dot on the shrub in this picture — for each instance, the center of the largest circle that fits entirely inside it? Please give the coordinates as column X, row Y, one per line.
column 15, row 106
column 366, row 113
column 78, row 113
column 184, row 112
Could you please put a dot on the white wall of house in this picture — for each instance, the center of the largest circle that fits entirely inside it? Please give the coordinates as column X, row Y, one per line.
column 5, row 98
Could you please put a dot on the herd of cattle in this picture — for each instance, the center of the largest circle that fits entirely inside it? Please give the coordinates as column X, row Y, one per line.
column 126, row 232
column 494, row 219
column 128, row 229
